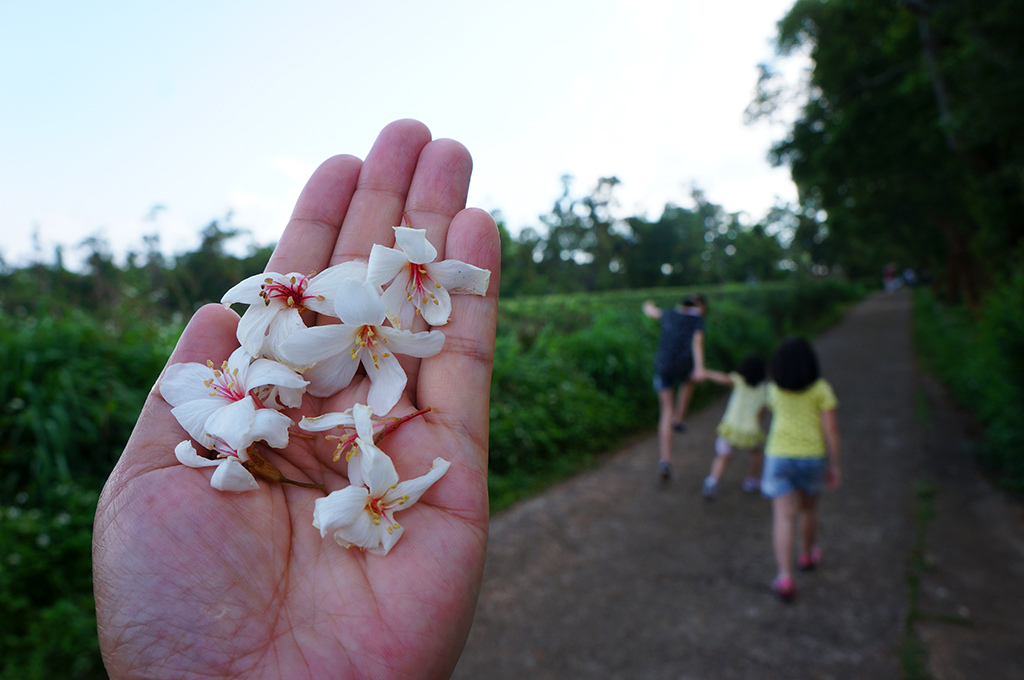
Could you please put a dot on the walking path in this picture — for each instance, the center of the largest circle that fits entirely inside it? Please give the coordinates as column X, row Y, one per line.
column 610, row 576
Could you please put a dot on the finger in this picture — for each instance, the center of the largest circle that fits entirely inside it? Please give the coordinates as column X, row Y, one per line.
column 438, row 192
column 456, row 383
column 439, row 189
column 209, row 335
column 308, row 241
column 381, row 192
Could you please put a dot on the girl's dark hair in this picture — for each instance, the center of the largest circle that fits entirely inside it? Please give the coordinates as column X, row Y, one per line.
column 752, row 369
column 695, row 300
column 795, row 365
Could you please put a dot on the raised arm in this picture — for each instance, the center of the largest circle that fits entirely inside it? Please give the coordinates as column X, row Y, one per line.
column 651, row 310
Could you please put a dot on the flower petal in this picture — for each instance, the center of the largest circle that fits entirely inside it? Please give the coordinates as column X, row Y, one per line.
column 412, row 489
column 184, row 382
column 284, row 324
column 268, row 372
column 308, row 346
column 438, row 308
column 388, row 379
column 238, row 364
column 231, row 423
column 385, row 264
column 398, row 304
column 186, row 454
column 388, row 538
column 421, row 345
column 247, row 291
column 257, row 321
column 329, row 376
column 192, row 416
column 327, row 421
column 415, row 245
column 231, row 475
column 460, row 278
column 268, row 425
column 359, row 304
column 378, row 470
column 340, row 508
column 362, row 418
column 325, row 285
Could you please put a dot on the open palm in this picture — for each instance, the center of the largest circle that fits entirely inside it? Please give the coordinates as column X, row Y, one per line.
column 192, row 582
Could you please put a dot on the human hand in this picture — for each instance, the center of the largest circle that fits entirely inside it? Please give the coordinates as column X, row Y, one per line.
column 650, row 309
column 833, row 477
column 191, row 582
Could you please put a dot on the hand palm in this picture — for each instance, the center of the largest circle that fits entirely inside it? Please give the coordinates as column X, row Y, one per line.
column 193, row 581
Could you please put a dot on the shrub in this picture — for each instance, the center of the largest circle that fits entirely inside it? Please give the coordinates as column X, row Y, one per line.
column 70, row 393
column 49, row 624
column 980, row 357
column 572, row 373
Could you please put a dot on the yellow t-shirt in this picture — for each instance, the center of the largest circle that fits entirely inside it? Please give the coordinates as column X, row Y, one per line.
column 740, row 424
column 796, row 431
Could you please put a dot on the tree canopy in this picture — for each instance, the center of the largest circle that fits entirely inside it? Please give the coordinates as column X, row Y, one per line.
column 910, row 143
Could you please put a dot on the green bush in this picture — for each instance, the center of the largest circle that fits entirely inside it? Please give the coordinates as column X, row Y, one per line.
column 980, row 357
column 572, row 379
column 70, row 393
column 572, row 373
column 48, row 629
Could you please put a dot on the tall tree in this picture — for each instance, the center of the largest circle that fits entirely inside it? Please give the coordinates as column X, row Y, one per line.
column 908, row 140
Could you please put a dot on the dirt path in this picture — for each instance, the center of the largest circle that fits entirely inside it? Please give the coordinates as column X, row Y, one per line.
column 610, row 576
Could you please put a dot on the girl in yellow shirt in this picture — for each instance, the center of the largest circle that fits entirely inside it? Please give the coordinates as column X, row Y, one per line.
column 740, row 427
column 803, row 430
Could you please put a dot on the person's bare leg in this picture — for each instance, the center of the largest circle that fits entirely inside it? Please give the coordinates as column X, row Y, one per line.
column 718, row 466
column 783, row 514
column 665, row 426
column 808, row 522
column 756, row 464
column 683, row 402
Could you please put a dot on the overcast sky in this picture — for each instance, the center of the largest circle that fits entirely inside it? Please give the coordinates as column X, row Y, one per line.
column 108, row 109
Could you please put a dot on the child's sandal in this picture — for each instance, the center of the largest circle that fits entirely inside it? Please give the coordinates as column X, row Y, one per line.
column 784, row 588
column 809, row 561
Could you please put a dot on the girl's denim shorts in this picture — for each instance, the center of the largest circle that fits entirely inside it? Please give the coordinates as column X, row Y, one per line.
column 785, row 475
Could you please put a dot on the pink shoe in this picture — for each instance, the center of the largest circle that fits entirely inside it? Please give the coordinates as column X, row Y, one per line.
column 784, row 588
column 809, row 561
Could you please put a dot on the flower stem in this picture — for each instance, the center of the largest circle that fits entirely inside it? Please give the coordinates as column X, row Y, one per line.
column 260, row 467
column 393, row 424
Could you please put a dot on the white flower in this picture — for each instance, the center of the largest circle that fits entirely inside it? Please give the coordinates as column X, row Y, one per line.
column 230, row 474
column 214, row 402
column 357, row 428
column 364, row 516
column 276, row 302
column 418, row 284
column 335, row 351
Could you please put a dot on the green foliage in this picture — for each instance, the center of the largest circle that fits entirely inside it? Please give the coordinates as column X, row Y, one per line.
column 909, row 146
column 981, row 358
column 584, row 248
column 48, row 628
column 69, row 397
column 70, row 393
column 572, row 373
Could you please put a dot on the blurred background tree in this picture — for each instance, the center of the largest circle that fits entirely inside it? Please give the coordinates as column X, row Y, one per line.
column 911, row 140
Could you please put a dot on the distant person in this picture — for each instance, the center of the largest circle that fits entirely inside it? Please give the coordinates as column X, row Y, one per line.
column 889, row 280
column 802, row 430
column 678, row 364
column 740, row 427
